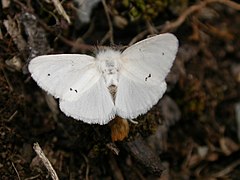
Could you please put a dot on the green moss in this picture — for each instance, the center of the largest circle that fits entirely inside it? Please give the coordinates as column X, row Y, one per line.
column 145, row 9
column 147, row 125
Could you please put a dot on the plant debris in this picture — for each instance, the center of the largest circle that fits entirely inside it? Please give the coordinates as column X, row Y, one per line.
column 192, row 133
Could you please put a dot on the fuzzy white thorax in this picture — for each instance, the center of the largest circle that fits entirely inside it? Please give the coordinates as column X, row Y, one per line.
column 108, row 62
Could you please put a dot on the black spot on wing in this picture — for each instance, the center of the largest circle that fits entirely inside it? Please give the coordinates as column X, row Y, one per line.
column 49, row 74
column 71, row 89
column 72, row 63
column 163, row 53
column 149, row 75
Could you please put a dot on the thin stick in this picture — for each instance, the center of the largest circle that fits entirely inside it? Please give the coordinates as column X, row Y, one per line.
column 73, row 44
column 194, row 8
column 87, row 166
column 110, row 31
column 170, row 26
column 132, row 121
column 45, row 161
column 61, row 10
column 16, row 171
column 7, row 79
column 226, row 170
column 12, row 116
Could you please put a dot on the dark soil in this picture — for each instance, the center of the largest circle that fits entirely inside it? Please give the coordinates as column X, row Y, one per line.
column 192, row 133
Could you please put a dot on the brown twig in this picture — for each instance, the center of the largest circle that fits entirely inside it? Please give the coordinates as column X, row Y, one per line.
column 45, row 161
column 109, row 34
column 226, row 170
column 61, row 10
column 222, row 33
column 25, row 8
column 75, row 45
column 16, row 171
column 116, row 171
column 33, row 177
column 170, row 26
column 192, row 9
column 87, row 166
column 7, row 79
column 138, row 37
column 14, row 31
column 12, row 116
column 151, row 28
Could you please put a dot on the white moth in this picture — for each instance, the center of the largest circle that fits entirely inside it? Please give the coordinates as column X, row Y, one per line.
column 84, row 84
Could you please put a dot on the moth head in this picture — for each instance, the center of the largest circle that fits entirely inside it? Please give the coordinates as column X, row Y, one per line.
column 108, row 55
